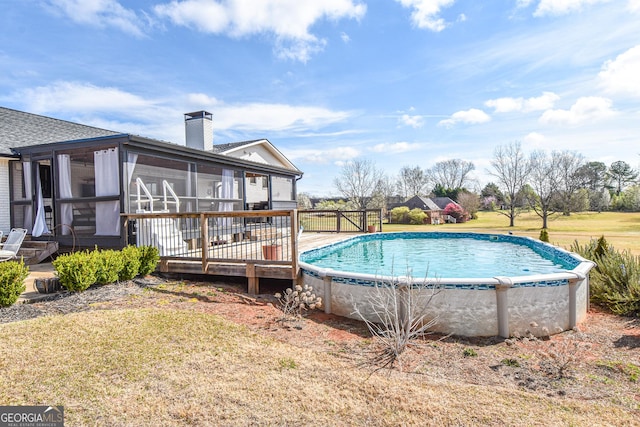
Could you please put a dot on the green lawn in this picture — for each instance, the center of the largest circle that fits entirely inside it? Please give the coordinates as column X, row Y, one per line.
column 621, row 229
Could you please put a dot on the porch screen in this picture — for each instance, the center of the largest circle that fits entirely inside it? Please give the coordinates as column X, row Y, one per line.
column 28, row 210
column 107, row 184
column 64, row 177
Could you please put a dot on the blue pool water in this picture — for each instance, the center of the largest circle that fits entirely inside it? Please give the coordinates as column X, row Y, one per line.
column 437, row 255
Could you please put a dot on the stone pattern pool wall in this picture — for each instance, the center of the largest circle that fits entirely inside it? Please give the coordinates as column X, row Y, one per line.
column 473, row 307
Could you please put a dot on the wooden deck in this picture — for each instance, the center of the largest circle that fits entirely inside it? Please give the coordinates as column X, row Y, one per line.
column 252, row 269
column 235, row 243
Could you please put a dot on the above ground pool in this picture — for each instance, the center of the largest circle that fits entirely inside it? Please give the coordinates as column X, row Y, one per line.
column 482, row 284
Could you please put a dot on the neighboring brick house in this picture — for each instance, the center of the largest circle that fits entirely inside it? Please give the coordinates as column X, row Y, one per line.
column 432, row 206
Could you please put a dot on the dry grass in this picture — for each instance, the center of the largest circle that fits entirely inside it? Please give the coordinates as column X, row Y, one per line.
column 174, row 366
column 621, row 229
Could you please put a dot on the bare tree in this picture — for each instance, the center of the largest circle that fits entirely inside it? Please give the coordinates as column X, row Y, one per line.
column 511, row 170
column 570, row 179
column 386, row 189
column 413, row 181
column 358, row 181
column 545, row 180
column 451, row 174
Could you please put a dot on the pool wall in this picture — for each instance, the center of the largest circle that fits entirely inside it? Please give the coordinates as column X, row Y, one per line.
column 505, row 306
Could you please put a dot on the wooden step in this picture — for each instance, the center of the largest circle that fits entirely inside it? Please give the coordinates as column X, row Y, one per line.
column 34, row 252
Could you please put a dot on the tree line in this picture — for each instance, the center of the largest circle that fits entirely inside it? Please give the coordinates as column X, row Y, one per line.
column 547, row 182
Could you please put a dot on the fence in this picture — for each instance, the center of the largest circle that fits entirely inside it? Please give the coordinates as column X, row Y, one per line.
column 340, row 221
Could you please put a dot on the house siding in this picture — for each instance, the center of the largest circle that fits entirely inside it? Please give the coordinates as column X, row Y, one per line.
column 4, row 195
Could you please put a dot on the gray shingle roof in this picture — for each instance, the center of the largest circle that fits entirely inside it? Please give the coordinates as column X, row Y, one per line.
column 20, row 129
column 221, row 148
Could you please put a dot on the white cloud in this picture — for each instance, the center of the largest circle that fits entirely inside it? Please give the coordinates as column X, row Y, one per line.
column 620, row 76
column 634, row 5
column 288, row 20
column 77, row 97
column 471, row 116
column 585, row 109
column 162, row 118
column 275, row 117
column 562, row 7
column 331, row 155
column 523, row 3
column 539, row 103
column 413, row 121
column 345, row 37
column 100, row 13
column 533, row 140
column 426, row 13
column 396, row 147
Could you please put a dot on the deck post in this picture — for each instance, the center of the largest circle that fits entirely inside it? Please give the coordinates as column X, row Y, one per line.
column 204, row 241
column 253, row 282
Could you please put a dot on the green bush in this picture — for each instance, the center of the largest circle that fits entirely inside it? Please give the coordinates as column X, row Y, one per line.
column 399, row 215
column 12, row 275
column 109, row 264
column 544, row 235
column 76, row 271
column 417, row 216
column 615, row 282
column 149, row 257
column 131, row 259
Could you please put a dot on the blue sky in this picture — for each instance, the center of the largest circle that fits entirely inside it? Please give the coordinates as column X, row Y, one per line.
column 400, row 82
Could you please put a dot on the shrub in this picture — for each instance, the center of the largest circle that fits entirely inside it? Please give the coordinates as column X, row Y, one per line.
column 149, row 257
column 12, row 275
column 400, row 316
column 417, row 216
column 76, row 271
column 399, row 215
column 544, row 235
column 615, row 281
column 131, row 260
column 456, row 211
column 109, row 264
column 294, row 301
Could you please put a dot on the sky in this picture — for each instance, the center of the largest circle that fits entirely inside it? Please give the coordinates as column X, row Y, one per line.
column 397, row 82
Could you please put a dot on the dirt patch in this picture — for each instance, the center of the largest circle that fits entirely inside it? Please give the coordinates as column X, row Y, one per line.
column 600, row 359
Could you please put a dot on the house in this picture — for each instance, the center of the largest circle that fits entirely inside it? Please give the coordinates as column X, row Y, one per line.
column 432, row 206
column 71, row 182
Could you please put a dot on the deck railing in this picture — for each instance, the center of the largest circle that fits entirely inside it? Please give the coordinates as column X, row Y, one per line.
column 340, row 221
column 243, row 236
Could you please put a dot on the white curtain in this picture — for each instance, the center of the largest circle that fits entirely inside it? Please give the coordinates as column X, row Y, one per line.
column 132, row 159
column 40, row 223
column 27, row 222
column 107, row 184
column 226, row 192
column 64, row 181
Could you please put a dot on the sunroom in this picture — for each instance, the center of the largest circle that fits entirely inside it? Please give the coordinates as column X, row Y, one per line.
column 74, row 192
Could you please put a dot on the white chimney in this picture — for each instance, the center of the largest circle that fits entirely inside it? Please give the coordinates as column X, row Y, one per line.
column 199, row 130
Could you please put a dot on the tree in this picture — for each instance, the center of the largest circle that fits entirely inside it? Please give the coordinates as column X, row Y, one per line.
column 413, row 181
column 593, row 175
column 544, row 180
column 569, row 164
column 511, row 168
column 304, row 201
column 452, row 193
column 385, row 190
column 620, row 174
column 491, row 197
column 451, row 174
column 358, row 181
column 470, row 202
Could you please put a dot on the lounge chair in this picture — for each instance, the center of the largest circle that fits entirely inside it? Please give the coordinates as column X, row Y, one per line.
column 9, row 249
